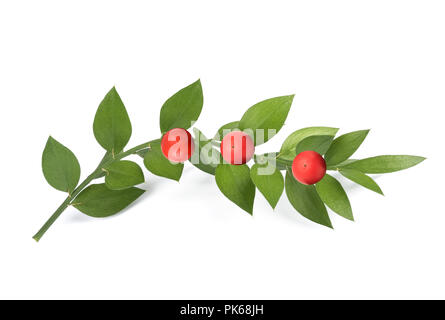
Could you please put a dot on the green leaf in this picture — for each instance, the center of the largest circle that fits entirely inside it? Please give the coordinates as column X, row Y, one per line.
column 266, row 115
column 183, row 108
column 227, row 128
column 361, row 179
column 60, row 166
column 235, row 183
column 112, row 126
column 318, row 144
column 123, row 175
column 289, row 148
column 158, row 164
column 306, row 201
column 270, row 185
column 384, row 164
column 344, row 146
column 205, row 157
column 334, row 196
column 99, row 201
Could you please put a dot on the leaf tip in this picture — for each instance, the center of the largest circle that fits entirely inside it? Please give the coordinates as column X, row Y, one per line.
column 50, row 139
column 113, row 90
column 419, row 159
column 249, row 210
column 198, row 83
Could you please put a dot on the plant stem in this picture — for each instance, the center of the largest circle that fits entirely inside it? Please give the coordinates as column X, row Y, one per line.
column 106, row 160
column 65, row 204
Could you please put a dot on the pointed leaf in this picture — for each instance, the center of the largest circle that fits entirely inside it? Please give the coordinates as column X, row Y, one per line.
column 361, row 179
column 112, row 126
column 60, row 166
column 123, row 175
column 158, row 164
column 225, row 129
column 205, row 157
column 384, row 164
column 266, row 115
column 183, row 108
column 306, row 201
column 99, row 201
column 269, row 181
column 334, row 196
column 344, row 146
column 235, row 183
column 318, row 144
column 289, row 148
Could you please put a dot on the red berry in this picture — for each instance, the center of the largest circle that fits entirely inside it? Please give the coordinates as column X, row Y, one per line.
column 237, row 147
column 309, row 167
column 177, row 145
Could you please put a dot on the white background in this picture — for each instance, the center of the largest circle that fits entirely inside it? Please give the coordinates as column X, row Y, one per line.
column 352, row 65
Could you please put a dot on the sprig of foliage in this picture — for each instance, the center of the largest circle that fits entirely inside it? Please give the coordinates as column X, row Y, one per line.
column 112, row 129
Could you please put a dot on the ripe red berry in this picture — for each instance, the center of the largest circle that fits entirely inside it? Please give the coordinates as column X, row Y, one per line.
column 309, row 167
column 237, row 147
column 177, row 145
